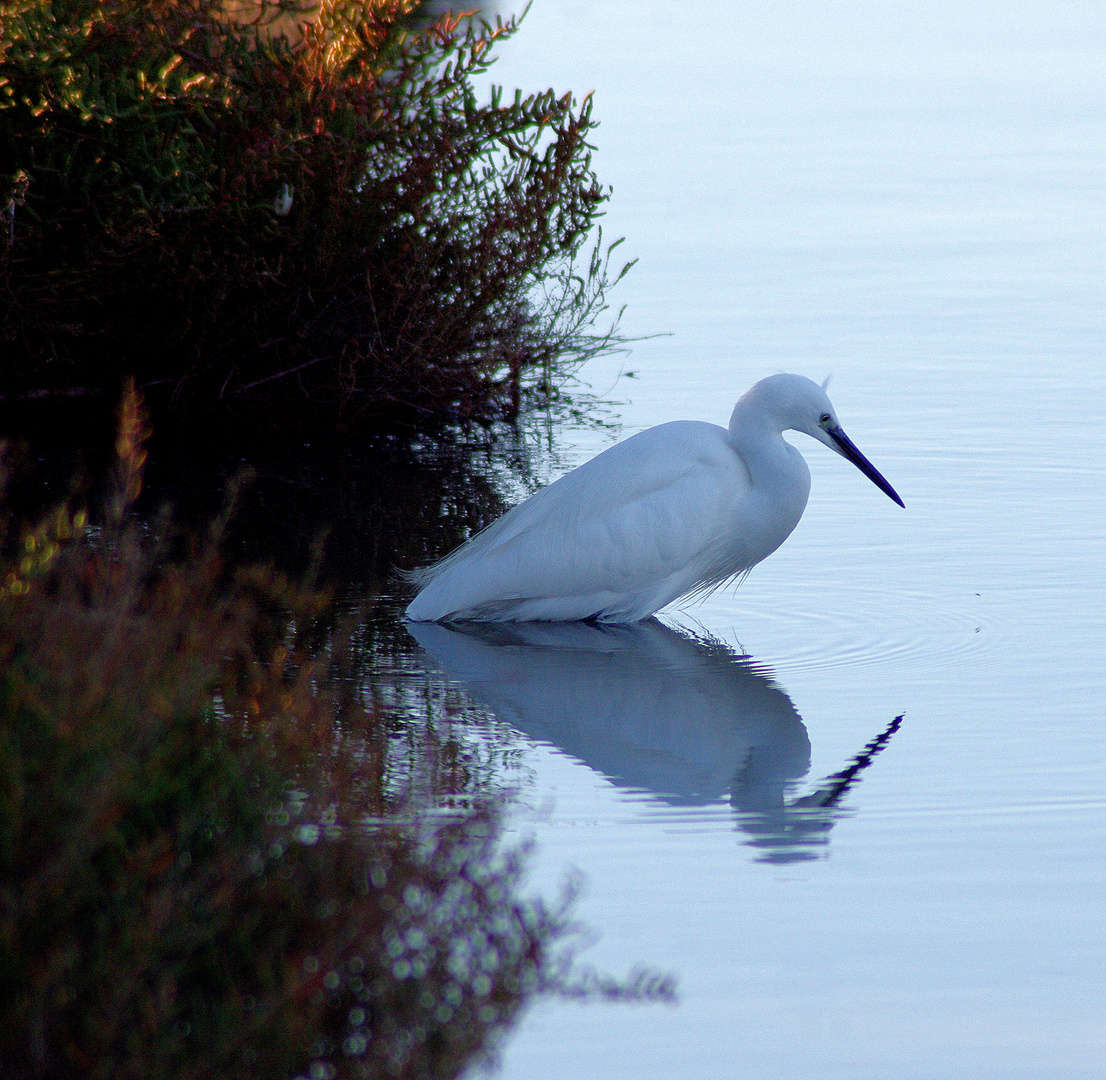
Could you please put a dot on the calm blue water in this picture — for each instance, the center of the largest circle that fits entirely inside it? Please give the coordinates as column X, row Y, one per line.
column 913, row 198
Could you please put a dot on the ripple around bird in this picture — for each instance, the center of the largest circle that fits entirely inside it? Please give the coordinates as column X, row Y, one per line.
column 868, row 632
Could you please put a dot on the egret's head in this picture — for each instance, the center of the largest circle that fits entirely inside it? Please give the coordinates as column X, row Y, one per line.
column 796, row 403
column 790, row 402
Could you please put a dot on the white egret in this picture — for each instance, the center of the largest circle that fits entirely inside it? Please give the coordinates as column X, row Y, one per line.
column 673, row 511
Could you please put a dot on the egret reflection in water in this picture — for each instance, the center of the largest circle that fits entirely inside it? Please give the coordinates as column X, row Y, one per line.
column 653, row 709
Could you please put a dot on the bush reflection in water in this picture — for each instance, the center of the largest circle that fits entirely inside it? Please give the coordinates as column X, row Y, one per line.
column 220, row 855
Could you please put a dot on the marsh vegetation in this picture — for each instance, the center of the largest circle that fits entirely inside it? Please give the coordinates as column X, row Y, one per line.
column 226, row 848
column 300, row 214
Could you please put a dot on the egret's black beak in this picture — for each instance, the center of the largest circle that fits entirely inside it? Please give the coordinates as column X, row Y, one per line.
column 848, row 451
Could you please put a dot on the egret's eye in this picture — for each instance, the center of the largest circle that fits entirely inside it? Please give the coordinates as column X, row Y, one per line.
column 824, row 418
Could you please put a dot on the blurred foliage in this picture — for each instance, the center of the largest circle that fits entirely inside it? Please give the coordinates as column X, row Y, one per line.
column 207, row 866
column 303, row 213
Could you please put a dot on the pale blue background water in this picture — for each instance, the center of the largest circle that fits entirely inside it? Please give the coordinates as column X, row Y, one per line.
column 911, row 197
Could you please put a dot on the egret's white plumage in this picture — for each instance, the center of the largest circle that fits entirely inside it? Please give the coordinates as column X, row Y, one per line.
column 676, row 509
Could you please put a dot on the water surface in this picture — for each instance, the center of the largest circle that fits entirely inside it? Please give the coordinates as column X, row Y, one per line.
column 909, row 198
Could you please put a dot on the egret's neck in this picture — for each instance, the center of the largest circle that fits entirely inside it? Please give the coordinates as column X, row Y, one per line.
column 757, row 435
column 777, row 470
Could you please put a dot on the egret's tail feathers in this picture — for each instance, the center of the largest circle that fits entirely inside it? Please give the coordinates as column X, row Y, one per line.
column 420, row 576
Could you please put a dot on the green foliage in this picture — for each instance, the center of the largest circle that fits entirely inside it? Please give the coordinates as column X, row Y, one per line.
column 201, row 868
column 316, row 218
